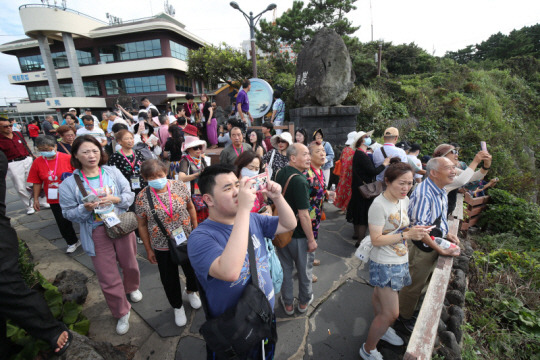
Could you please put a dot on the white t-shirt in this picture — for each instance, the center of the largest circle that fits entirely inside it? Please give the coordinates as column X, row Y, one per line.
column 418, row 164
column 387, row 214
column 95, row 132
column 391, row 151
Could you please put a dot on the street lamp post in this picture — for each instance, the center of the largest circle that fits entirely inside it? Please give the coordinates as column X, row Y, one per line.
column 252, row 21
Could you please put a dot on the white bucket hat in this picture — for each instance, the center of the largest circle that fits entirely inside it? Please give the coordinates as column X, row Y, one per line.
column 350, row 138
column 284, row 136
column 359, row 135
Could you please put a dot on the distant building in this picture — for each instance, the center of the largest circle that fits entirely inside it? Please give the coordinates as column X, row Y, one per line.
column 73, row 60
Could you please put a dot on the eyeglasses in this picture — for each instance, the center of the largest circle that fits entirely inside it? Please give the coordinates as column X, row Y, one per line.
column 200, row 147
column 453, row 151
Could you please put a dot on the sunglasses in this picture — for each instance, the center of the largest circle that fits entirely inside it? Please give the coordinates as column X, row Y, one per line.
column 200, row 147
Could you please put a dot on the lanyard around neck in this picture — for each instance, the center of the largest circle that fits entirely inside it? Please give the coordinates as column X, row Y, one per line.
column 241, row 150
column 134, row 159
column 319, row 177
column 100, row 181
column 170, row 212
column 52, row 174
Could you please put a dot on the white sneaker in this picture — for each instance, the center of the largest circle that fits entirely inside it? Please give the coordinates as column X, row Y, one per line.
column 194, row 300
column 122, row 326
column 373, row 354
column 139, row 240
column 180, row 317
column 136, row 296
column 392, row 338
column 71, row 248
column 30, row 210
column 45, row 206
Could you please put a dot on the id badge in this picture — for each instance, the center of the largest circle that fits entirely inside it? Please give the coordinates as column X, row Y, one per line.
column 179, row 236
column 52, row 194
column 110, row 219
column 135, row 182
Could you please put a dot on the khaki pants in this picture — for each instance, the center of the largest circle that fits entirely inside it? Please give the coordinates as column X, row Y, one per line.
column 421, row 264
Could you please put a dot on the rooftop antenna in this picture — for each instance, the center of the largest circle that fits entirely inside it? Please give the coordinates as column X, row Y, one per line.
column 169, row 9
column 113, row 20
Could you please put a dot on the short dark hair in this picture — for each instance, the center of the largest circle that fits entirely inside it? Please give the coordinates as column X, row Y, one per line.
column 396, row 169
column 144, row 98
column 152, row 166
column 415, row 147
column 87, row 118
column 77, row 144
column 244, row 159
column 182, row 121
column 189, row 96
column 70, row 115
column 268, row 125
column 207, row 179
column 143, row 115
column 277, row 95
column 246, row 83
column 153, row 112
column 118, row 126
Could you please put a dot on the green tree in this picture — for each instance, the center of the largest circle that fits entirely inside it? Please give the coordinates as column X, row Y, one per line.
column 224, row 63
column 297, row 25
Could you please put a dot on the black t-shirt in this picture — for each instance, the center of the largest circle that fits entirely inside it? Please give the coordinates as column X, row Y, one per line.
column 174, row 148
column 297, row 194
column 206, row 110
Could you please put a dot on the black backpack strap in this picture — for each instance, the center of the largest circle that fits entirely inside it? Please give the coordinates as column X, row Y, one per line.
column 383, row 152
column 252, row 262
column 153, row 211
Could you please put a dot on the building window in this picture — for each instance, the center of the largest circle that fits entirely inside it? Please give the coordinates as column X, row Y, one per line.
column 67, row 90
column 182, row 83
column 59, row 59
column 131, row 51
column 179, row 51
column 92, row 88
column 136, row 85
column 37, row 93
column 31, row 63
column 85, row 57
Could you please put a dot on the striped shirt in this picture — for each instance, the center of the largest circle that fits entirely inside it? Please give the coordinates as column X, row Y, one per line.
column 427, row 203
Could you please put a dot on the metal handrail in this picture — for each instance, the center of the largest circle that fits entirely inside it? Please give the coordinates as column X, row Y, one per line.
column 63, row 9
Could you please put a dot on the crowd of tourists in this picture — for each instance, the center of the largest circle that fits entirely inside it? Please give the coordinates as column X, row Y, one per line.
column 143, row 177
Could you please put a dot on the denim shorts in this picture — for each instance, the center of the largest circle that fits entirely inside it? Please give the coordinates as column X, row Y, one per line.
column 389, row 275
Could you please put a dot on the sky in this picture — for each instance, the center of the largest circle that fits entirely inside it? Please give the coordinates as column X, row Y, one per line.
column 436, row 26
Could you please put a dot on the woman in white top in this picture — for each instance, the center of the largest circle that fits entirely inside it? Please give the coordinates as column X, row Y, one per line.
column 389, row 262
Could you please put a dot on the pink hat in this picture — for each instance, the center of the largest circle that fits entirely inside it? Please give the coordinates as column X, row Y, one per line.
column 192, row 141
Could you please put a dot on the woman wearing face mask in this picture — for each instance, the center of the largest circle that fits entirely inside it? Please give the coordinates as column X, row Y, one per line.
column 276, row 158
column 46, row 173
column 249, row 164
column 173, row 207
column 191, row 167
column 144, row 136
column 363, row 172
column 114, row 197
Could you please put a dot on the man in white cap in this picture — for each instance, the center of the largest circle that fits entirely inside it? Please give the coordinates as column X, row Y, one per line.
column 389, row 149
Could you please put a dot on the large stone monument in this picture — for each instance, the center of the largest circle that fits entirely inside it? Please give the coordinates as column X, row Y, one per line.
column 324, row 77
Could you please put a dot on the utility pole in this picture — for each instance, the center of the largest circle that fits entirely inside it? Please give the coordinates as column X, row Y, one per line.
column 379, row 60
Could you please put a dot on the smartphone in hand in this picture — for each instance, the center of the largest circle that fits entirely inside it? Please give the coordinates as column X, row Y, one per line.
column 261, row 181
column 483, row 145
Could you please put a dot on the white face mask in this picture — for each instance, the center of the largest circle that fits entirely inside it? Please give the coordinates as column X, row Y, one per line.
column 145, row 131
column 248, row 173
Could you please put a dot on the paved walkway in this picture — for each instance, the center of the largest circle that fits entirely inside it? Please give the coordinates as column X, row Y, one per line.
column 334, row 327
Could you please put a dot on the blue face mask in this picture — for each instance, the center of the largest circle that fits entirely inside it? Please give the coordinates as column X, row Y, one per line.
column 158, row 184
column 48, row 154
column 248, row 173
column 367, row 141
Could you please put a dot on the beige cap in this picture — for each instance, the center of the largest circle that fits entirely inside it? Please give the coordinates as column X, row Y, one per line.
column 391, row 131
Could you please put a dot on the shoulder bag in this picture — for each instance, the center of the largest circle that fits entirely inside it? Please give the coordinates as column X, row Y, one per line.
column 241, row 328
column 285, row 238
column 364, row 250
column 276, row 270
column 374, row 189
column 178, row 252
column 196, row 198
column 128, row 220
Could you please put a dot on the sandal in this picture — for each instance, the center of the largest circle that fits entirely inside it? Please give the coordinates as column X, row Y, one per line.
column 66, row 345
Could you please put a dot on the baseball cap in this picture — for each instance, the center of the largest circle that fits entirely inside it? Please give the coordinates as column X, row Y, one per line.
column 72, row 109
column 391, row 131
